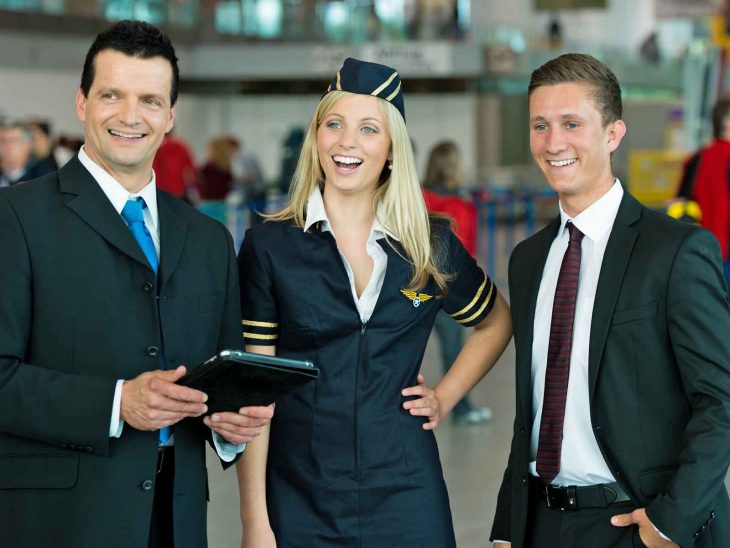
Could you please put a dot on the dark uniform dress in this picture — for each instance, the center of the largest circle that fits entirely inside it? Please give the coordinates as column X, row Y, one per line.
column 347, row 465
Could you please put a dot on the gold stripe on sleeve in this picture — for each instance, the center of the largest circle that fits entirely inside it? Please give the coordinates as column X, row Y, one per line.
column 247, row 335
column 259, row 324
column 473, row 301
column 481, row 308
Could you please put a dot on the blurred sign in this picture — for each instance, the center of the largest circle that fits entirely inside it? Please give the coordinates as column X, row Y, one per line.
column 409, row 58
column 552, row 5
column 684, row 8
column 413, row 58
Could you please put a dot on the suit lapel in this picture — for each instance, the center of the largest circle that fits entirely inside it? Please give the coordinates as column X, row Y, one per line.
column 615, row 260
column 91, row 204
column 534, row 264
column 173, row 233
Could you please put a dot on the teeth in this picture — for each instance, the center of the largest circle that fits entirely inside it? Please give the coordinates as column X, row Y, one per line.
column 346, row 160
column 562, row 163
column 126, row 135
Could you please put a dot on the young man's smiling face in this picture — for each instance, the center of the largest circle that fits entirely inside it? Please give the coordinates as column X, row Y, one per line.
column 571, row 144
column 126, row 114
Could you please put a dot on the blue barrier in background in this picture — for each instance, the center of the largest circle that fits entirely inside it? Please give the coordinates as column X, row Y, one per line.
column 506, row 213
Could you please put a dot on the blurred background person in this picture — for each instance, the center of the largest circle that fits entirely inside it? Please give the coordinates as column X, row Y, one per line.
column 16, row 155
column 43, row 146
column 443, row 193
column 174, row 167
column 215, row 177
column 248, row 179
column 706, row 180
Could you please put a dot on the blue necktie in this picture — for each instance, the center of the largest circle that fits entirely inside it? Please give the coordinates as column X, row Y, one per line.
column 132, row 213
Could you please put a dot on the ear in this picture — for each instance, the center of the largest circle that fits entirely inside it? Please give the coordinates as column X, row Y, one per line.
column 81, row 106
column 171, row 120
column 615, row 132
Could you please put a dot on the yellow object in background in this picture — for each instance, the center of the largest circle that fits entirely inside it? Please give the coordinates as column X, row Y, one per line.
column 654, row 175
column 685, row 210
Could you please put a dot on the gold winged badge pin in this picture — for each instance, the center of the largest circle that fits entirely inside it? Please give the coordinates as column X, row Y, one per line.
column 415, row 297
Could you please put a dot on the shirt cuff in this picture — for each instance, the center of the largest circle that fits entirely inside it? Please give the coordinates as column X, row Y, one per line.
column 116, row 425
column 495, row 541
column 226, row 451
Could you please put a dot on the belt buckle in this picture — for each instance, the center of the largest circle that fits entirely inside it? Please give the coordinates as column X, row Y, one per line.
column 561, row 498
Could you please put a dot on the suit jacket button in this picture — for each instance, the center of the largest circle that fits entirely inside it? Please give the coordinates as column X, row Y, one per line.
column 524, row 480
column 148, row 287
column 146, row 485
column 152, row 351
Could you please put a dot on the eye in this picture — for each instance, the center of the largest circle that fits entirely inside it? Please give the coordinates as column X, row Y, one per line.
column 334, row 124
column 539, row 127
column 370, row 130
column 109, row 95
column 572, row 125
column 152, row 102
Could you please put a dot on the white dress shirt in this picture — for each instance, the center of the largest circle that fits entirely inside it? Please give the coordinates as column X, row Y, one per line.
column 118, row 196
column 316, row 213
column 583, row 464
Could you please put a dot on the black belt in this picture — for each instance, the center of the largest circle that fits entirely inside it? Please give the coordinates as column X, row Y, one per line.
column 164, row 457
column 574, row 497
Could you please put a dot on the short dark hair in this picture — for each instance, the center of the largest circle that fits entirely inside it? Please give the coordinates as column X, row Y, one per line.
column 583, row 69
column 136, row 39
column 720, row 112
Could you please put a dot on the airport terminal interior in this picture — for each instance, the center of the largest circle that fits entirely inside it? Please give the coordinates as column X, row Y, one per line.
column 252, row 72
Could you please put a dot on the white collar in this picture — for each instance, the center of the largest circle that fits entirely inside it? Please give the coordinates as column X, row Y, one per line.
column 596, row 221
column 316, row 213
column 117, row 194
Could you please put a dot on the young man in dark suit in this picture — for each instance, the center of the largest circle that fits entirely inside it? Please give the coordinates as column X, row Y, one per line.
column 622, row 432
column 107, row 287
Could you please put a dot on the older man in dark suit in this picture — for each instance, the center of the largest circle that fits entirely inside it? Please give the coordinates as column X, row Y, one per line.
column 622, row 433
column 107, row 286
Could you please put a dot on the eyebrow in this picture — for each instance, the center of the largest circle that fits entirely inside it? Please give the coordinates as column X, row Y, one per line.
column 367, row 118
column 540, row 118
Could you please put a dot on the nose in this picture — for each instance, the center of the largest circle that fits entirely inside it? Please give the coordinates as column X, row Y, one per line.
column 128, row 113
column 348, row 138
column 554, row 141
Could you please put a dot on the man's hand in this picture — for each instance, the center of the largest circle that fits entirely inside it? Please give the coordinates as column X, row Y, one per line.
column 648, row 533
column 153, row 400
column 427, row 404
column 240, row 427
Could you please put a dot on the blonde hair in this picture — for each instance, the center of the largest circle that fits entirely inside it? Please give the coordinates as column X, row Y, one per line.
column 398, row 197
column 444, row 167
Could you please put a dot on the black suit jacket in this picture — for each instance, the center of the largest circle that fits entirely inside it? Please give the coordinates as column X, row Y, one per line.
column 659, row 374
column 79, row 310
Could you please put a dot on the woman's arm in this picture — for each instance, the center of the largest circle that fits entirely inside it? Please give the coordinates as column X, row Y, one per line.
column 251, row 472
column 482, row 349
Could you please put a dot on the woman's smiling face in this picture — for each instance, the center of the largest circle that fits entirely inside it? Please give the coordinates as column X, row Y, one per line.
column 353, row 144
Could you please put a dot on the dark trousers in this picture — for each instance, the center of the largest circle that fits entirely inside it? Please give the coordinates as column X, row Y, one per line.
column 161, row 528
column 550, row 528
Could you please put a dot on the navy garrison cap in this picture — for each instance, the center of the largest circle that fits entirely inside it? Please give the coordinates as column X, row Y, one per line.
column 373, row 79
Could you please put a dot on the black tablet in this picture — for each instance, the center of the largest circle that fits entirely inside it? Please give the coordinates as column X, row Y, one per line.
column 234, row 379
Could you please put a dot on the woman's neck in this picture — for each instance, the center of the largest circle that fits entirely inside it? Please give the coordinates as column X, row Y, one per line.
column 349, row 213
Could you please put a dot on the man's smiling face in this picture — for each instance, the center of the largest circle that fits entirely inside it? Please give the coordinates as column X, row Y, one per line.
column 571, row 144
column 126, row 114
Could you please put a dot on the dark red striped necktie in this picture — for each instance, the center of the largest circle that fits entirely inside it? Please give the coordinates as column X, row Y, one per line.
column 558, row 360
